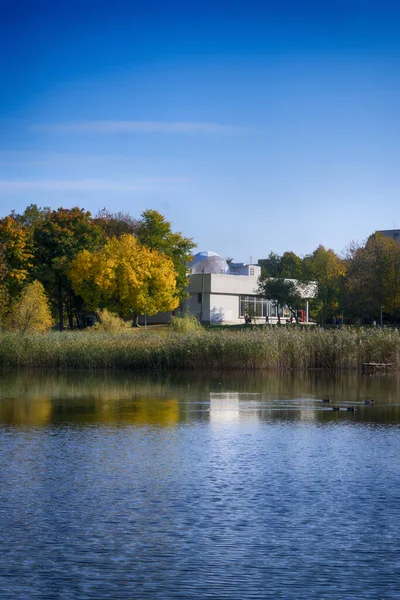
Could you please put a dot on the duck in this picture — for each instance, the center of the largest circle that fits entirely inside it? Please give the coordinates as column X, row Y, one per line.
column 368, row 402
column 336, row 408
column 326, row 399
column 350, row 408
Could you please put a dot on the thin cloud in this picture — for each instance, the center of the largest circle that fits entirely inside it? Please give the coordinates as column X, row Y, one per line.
column 87, row 184
column 112, row 127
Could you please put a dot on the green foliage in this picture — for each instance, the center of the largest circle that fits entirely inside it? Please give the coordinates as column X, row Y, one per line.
column 373, row 277
column 58, row 238
column 283, row 292
column 271, row 266
column 155, row 232
column 185, row 324
column 291, row 266
column 32, row 217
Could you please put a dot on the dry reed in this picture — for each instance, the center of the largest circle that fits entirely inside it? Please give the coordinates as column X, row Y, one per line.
column 278, row 349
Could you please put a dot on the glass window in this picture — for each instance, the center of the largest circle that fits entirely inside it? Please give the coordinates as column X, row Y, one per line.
column 254, row 306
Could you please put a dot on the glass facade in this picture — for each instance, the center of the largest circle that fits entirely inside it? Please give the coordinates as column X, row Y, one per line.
column 255, row 306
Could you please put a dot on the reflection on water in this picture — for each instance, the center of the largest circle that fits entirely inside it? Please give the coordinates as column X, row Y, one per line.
column 39, row 398
column 181, row 487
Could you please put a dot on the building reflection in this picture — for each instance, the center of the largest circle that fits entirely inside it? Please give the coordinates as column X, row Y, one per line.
column 169, row 399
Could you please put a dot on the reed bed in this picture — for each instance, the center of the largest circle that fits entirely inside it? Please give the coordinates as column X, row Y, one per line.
column 278, row 349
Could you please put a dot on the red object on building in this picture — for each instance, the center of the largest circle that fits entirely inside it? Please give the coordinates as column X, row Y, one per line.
column 301, row 314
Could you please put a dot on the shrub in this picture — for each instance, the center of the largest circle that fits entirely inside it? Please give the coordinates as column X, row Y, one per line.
column 185, row 324
column 31, row 312
column 109, row 322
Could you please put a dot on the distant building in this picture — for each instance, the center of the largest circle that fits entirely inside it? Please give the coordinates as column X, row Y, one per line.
column 225, row 292
column 391, row 233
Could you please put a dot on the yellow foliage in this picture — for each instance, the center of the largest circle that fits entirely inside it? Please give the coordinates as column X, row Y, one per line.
column 126, row 277
column 31, row 311
column 16, row 256
column 110, row 322
column 5, row 303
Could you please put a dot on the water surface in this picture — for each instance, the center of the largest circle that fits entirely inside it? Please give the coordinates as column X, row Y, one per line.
column 199, row 486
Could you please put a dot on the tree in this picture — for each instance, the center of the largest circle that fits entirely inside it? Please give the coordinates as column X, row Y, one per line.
column 115, row 224
column 291, row 266
column 271, row 266
column 58, row 239
column 282, row 292
column 373, row 277
column 31, row 311
column 32, row 216
column 15, row 255
column 155, row 232
column 125, row 277
column 5, row 305
column 328, row 270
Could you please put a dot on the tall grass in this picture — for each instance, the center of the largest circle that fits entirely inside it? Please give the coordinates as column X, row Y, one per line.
column 185, row 324
column 274, row 349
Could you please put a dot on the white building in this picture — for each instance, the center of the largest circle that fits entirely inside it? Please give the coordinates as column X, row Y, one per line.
column 224, row 292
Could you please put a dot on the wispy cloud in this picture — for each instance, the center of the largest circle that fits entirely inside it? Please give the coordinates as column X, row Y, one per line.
column 40, row 158
column 112, row 127
column 87, row 184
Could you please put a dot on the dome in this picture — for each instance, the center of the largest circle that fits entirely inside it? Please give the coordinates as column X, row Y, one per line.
column 208, row 262
column 202, row 256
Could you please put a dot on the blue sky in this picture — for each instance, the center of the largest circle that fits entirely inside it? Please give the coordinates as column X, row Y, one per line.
column 252, row 126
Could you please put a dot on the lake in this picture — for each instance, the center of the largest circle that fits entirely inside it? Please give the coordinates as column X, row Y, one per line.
column 180, row 486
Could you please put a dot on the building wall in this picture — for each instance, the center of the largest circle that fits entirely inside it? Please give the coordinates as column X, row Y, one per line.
column 242, row 269
column 220, row 298
column 392, row 233
column 224, row 308
column 222, row 284
column 221, row 295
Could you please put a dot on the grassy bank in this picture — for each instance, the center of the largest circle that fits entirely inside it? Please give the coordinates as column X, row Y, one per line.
column 274, row 349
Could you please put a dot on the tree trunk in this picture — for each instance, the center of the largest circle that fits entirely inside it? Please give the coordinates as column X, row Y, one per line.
column 60, row 304
column 78, row 323
column 69, row 309
column 135, row 320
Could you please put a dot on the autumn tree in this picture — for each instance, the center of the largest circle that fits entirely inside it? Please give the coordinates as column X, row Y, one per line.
column 58, row 239
column 328, row 270
column 126, row 277
column 373, row 277
column 155, row 232
column 31, row 312
column 15, row 255
column 115, row 224
column 291, row 266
